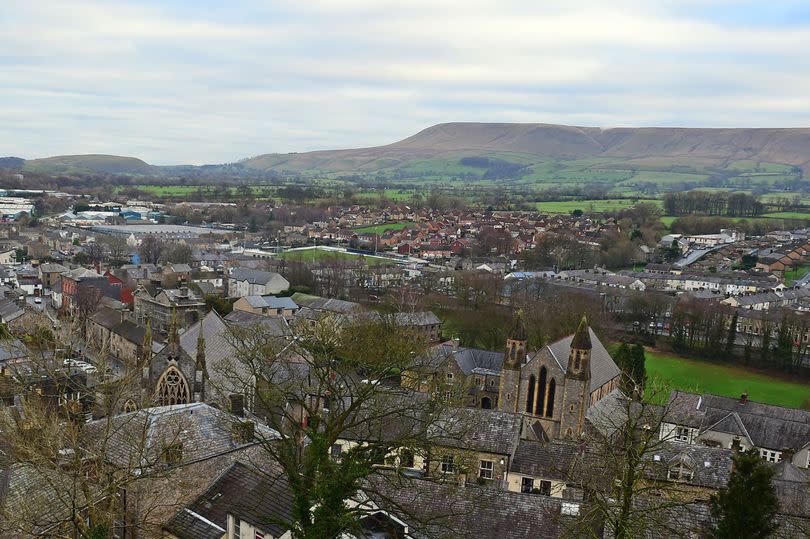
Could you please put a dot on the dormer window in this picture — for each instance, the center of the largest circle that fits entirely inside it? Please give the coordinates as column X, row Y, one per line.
column 680, row 472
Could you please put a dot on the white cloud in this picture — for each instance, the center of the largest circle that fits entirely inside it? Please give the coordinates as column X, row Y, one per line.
column 173, row 82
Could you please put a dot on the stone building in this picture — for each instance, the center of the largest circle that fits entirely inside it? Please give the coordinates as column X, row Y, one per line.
column 160, row 305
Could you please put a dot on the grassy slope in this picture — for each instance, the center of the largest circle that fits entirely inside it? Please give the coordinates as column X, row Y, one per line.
column 703, row 376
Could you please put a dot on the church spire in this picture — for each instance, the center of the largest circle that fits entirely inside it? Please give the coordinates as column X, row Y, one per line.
column 174, row 336
column 582, row 336
column 516, row 343
column 579, row 359
column 200, row 373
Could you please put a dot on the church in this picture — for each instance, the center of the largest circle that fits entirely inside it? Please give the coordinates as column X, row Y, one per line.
column 197, row 365
column 553, row 387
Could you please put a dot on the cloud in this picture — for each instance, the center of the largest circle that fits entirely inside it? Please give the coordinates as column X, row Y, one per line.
column 197, row 82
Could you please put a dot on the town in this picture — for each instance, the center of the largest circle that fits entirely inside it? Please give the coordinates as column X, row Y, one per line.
column 430, row 362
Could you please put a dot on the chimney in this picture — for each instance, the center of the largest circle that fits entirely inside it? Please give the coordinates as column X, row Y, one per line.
column 238, row 405
column 744, row 398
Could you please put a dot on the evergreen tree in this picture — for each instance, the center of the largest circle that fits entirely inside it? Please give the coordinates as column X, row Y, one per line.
column 639, row 369
column 732, row 336
column 746, row 507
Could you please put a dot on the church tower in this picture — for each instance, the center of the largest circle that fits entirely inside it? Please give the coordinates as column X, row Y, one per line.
column 200, row 373
column 576, row 395
column 509, row 384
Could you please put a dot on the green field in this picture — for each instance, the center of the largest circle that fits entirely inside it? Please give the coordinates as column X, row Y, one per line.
column 787, row 215
column 379, row 229
column 703, row 376
column 589, row 206
column 315, row 255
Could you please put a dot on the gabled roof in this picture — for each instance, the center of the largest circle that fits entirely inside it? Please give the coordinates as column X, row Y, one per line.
column 262, row 498
column 603, row 368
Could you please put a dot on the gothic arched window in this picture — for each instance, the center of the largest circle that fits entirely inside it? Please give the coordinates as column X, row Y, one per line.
column 576, row 360
column 530, row 396
column 552, row 388
column 172, row 388
column 541, row 392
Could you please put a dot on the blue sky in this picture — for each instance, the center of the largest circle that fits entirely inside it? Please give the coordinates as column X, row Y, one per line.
column 204, row 81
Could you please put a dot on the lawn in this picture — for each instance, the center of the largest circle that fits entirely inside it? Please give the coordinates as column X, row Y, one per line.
column 703, row 376
column 313, row 255
column 379, row 229
column 795, row 274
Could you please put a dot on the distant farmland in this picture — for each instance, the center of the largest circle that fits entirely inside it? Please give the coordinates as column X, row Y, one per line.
column 590, row 206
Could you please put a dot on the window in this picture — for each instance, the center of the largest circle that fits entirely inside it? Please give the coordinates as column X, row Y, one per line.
column 486, row 468
column 545, row 488
column 336, row 450
column 259, row 535
column 172, row 388
column 552, row 390
column 526, row 484
column 449, row 376
column 447, row 464
column 770, row 456
column 679, row 472
column 683, row 434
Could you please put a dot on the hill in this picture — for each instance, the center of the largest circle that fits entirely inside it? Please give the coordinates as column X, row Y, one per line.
column 100, row 164
column 644, row 147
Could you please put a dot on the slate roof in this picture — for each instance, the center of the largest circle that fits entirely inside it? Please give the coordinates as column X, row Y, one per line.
column 489, row 431
column 271, row 302
column 550, row 460
column 274, row 326
column 9, row 310
column 137, row 439
column 318, row 303
column 766, row 425
column 261, row 498
column 253, row 276
column 603, row 368
column 711, row 466
column 433, row 509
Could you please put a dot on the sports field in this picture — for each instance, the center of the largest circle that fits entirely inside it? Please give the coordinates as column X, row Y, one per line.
column 314, row 255
column 379, row 229
column 703, row 376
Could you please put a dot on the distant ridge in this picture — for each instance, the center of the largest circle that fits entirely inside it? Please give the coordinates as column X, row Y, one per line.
column 633, row 146
column 789, row 146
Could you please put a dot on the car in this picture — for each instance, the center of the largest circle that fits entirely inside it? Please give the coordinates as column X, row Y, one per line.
column 37, row 299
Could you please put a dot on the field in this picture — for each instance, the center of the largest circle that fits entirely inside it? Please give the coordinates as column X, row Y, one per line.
column 588, row 206
column 320, row 256
column 379, row 229
column 703, row 376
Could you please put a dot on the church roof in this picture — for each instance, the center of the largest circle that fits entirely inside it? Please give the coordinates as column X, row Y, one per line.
column 603, row 368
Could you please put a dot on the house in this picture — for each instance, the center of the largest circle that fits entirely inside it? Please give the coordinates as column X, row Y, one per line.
column 249, row 282
column 779, row 434
column 49, row 273
column 159, row 306
column 267, row 305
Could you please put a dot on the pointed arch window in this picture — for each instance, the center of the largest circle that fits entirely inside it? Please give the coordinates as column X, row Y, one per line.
column 530, row 394
column 172, row 388
column 552, row 389
column 541, row 392
column 577, row 359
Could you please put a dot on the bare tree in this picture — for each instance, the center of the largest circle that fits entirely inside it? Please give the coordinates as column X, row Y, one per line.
column 335, row 382
column 151, row 249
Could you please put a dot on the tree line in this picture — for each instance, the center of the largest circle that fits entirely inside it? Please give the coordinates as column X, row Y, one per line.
column 713, row 203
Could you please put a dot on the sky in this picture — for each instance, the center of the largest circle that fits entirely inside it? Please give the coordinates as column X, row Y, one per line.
column 206, row 81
